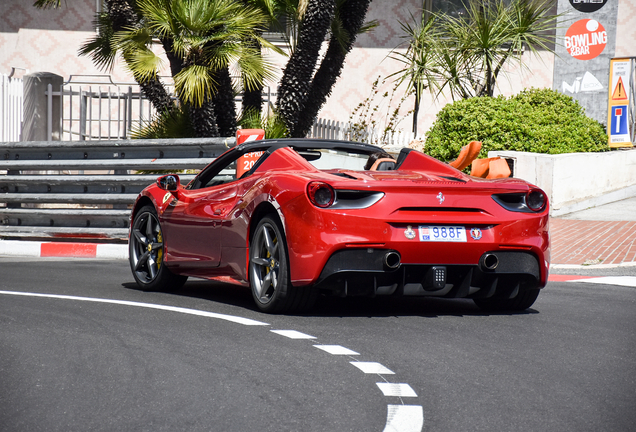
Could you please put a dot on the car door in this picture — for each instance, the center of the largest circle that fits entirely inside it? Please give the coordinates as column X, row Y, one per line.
column 192, row 223
column 194, row 220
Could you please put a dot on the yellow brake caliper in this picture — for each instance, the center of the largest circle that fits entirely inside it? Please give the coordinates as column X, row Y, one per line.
column 270, row 267
column 160, row 251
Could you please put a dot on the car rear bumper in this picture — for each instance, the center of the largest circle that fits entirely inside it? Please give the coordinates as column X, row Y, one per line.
column 376, row 271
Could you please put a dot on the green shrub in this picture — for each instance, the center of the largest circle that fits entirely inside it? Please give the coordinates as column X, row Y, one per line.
column 535, row 120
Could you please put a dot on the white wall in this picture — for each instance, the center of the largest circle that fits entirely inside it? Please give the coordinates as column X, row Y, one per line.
column 576, row 181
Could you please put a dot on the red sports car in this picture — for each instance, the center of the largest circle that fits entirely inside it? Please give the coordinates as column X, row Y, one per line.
column 294, row 218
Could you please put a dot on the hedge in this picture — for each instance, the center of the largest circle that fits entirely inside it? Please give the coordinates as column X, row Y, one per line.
column 535, row 120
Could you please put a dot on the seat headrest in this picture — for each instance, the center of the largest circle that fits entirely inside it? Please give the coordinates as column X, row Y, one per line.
column 383, row 164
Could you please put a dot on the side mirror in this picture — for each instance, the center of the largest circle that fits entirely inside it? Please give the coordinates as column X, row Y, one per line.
column 169, row 182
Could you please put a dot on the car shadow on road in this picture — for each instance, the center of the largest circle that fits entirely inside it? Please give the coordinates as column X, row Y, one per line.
column 219, row 292
column 329, row 306
column 426, row 307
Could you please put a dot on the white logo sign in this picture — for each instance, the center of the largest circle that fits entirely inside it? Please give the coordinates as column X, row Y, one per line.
column 586, row 83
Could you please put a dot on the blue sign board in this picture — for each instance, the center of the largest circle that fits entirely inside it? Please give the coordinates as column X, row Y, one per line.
column 618, row 124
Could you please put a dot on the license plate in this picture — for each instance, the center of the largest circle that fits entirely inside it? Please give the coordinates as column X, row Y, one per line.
column 434, row 233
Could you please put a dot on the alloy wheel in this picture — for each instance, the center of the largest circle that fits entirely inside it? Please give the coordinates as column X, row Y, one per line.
column 147, row 247
column 265, row 259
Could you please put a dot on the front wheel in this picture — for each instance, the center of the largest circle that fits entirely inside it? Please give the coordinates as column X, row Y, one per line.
column 521, row 302
column 145, row 254
column 269, row 271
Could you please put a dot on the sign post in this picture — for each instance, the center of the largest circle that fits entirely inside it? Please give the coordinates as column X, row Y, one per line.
column 247, row 161
column 621, row 122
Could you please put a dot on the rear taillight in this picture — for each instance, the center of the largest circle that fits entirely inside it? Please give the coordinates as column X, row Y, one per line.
column 535, row 200
column 321, row 194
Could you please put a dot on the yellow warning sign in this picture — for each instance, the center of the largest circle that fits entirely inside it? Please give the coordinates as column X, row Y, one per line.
column 620, row 124
column 619, row 91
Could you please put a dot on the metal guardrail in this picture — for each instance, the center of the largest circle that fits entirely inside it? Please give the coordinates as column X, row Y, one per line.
column 85, row 189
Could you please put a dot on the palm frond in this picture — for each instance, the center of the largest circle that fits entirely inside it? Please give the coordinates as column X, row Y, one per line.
column 195, row 84
column 100, row 48
column 47, row 4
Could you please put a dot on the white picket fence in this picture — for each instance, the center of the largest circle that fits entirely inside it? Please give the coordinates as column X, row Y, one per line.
column 11, row 112
column 332, row 129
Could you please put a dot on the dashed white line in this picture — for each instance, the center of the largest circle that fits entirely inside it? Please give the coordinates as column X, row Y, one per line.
column 404, row 418
column 336, row 350
column 293, row 334
column 400, row 418
column 231, row 318
column 372, row 368
column 400, row 390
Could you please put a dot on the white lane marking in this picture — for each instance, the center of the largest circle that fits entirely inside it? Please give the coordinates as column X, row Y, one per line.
column 400, row 418
column 336, row 350
column 372, row 368
column 400, row 390
column 293, row 334
column 629, row 281
column 404, row 418
column 231, row 318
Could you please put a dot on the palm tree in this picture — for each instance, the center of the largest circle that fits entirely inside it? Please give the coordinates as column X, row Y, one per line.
column 201, row 38
column 302, row 92
column 466, row 53
column 421, row 60
column 206, row 37
column 348, row 22
column 295, row 83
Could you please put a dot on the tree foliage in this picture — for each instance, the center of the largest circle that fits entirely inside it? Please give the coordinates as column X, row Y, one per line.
column 203, row 38
column 535, row 120
column 466, row 54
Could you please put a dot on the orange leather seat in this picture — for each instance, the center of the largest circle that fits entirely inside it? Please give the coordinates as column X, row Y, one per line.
column 467, row 154
column 490, row 168
column 480, row 167
column 498, row 168
column 383, row 164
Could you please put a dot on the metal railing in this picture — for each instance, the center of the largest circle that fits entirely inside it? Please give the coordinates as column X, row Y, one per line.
column 79, row 189
column 331, row 129
column 106, row 110
column 93, row 110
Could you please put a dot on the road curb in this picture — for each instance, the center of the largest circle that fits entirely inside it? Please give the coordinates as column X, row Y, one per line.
column 63, row 249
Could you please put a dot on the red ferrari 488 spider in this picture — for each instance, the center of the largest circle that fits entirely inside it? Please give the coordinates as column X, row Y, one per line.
column 307, row 218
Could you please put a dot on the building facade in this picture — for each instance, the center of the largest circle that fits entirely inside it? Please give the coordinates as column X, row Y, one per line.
column 33, row 40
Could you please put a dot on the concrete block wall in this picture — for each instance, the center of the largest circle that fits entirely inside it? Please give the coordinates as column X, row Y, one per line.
column 576, row 181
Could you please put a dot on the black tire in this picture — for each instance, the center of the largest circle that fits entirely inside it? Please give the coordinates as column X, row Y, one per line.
column 145, row 254
column 521, row 302
column 269, row 271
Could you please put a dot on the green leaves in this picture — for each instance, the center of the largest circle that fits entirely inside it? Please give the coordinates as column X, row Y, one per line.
column 535, row 120
column 465, row 54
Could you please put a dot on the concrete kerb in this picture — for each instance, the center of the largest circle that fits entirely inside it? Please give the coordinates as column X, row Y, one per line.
column 38, row 249
column 109, row 251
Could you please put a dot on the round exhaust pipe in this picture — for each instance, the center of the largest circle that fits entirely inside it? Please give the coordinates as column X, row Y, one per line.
column 392, row 260
column 489, row 262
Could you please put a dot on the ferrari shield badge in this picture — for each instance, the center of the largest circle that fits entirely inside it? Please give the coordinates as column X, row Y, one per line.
column 475, row 233
column 409, row 233
column 166, row 197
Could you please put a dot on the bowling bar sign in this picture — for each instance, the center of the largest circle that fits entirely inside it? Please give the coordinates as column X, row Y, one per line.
column 620, row 109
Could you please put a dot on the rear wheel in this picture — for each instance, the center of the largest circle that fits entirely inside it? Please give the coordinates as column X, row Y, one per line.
column 146, row 253
column 269, row 271
column 522, row 301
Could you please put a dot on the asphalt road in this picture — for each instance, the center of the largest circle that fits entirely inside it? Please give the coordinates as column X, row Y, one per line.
column 70, row 364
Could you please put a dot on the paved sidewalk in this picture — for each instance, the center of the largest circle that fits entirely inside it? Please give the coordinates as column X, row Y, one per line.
column 604, row 235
